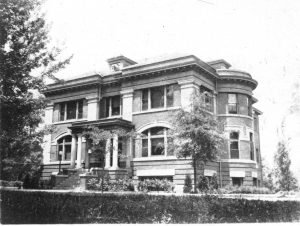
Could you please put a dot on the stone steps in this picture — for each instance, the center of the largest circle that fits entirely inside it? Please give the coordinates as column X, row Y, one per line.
column 72, row 182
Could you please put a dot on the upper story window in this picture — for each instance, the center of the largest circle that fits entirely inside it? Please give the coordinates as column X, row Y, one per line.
column 232, row 103
column 206, row 98
column 71, row 110
column 156, row 142
column 234, row 144
column 110, row 106
column 251, row 146
column 158, row 97
column 257, row 155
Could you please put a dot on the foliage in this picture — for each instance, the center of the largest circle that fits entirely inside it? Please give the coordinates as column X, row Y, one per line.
column 5, row 183
column 24, row 49
column 285, row 181
column 208, row 183
column 245, row 190
column 38, row 207
column 187, row 184
column 155, row 185
column 125, row 184
column 197, row 134
column 268, row 177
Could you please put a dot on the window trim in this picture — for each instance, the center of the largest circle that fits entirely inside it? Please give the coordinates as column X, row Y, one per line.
column 109, row 99
column 149, row 137
column 236, row 104
column 165, row 97
column 234, row 140
column 63, row 144
column 65, row 104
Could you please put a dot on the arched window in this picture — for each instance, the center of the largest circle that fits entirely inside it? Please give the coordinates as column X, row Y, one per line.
column 156, row 142
column 64, row 146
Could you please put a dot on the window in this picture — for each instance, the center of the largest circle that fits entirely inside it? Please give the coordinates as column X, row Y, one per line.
column 257, row 155
column 251, row 146
column 255, row 182
column 206, row 98
column 155, row 142
column 249, row 104
column 234, row 145
column 71, row 110
column 111, row 105
column 158, row 97
column 232, row 103
column 64, row 146
column 237, row 181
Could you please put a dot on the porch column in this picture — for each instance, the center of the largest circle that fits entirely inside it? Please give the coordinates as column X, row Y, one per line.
column 215, row 102
column 107, row 153
column 115, row 152
column 78, row 166
column 73, row 150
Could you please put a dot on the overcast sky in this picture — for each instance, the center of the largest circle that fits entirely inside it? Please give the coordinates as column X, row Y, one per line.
column 261, row 37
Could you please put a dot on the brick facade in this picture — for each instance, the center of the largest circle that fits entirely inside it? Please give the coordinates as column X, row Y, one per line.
column 144, row 97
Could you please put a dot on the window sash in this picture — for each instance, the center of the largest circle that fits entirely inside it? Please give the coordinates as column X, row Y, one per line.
column 157, row 95
column 71, row 110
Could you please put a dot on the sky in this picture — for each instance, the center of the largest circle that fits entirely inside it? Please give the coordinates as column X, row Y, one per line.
column 261, row 37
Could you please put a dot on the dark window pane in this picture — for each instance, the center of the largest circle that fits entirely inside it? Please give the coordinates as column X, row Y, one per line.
column 157, row 131
column 67, row 152
column 107, row 100
column 170, row 96
column 255, row 182
column 80, row 108
column 116, row 103
column 71, row 110
column 237, row 181
column 234, row 145
column 257, row 155
column 145, row 133
column 157, row 146
column 157, row 97
column 144, row 147
column 145, row 99
column 232, row 108
column 62, row 112
column 68, row 139
column 60, row 141
column 234, row 135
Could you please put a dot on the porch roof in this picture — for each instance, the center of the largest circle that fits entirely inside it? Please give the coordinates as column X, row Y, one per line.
column 107, row 123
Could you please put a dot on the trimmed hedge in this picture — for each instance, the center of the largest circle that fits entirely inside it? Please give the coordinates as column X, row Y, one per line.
column 245, row 190
column 40, row 207
column 6, row 183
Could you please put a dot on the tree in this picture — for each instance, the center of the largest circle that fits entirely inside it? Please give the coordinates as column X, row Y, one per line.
column 197, row 134
column 24, row 49
column 285, row 181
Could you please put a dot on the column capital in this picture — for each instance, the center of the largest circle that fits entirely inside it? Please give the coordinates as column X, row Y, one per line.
column 92, row 99
column 127, row 92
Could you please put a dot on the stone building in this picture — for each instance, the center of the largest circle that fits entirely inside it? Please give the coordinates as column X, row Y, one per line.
column 142, row 97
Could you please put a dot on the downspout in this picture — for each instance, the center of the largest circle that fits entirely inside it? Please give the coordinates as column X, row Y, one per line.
column 220, row 173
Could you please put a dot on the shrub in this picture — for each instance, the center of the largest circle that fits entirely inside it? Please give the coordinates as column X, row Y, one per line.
column 187, row 184
column 155, row 185
column 125, row 184
column 40, row 207
column 208, row 184
column 6, row 183
column 245, row 190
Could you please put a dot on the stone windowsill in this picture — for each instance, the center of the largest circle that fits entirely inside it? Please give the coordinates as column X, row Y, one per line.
column 154, row 158
column 235, row 115
column 69, row 121
column 156, row 110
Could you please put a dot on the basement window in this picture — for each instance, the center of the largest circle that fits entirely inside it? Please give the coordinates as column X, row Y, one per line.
column 237, row 181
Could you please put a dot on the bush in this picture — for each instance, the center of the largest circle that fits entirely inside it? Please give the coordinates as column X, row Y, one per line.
column 208, row 184
column 155, row 185
column 187, row 184
column 40, row 207
column 108, row 185
column 245, row 190
column 5, row 183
